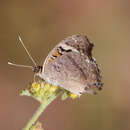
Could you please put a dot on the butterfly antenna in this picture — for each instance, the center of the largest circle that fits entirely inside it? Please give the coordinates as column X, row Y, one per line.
column 27, row 51
column 18, row 65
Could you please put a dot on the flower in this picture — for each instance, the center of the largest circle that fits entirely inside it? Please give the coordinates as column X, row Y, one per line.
column 42, row 91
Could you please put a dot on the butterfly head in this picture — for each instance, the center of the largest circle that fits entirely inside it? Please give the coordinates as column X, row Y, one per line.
column 37, row 69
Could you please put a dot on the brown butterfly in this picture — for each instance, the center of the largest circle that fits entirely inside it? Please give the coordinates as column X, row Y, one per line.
column 70, row 65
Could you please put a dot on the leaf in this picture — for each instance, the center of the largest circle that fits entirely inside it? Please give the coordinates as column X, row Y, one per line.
column 64, row 96
column 25, row 93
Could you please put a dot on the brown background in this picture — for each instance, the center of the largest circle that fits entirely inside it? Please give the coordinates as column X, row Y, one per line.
column 42, row 24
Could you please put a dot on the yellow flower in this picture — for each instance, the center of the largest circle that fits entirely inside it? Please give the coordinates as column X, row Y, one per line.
column 73, row 96
column 53, row 88
column 35, row 86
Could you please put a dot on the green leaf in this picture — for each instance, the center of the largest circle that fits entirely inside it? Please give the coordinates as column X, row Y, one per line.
column 64, row 96
column 25, row 93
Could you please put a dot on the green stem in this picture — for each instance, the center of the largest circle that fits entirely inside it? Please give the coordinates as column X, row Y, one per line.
column 39, row 111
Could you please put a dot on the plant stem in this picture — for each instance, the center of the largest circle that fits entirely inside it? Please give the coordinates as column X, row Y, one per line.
column 39, row 111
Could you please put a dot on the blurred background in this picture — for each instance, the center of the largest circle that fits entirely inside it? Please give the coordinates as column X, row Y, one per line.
column 44, row 23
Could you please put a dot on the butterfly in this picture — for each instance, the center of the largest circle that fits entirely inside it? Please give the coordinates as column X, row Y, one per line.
column 70, row 65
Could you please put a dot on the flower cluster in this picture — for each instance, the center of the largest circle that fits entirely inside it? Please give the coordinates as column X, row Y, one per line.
column 42, row 91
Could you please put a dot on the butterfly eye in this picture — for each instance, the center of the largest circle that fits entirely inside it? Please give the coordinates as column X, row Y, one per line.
column 37, row 69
